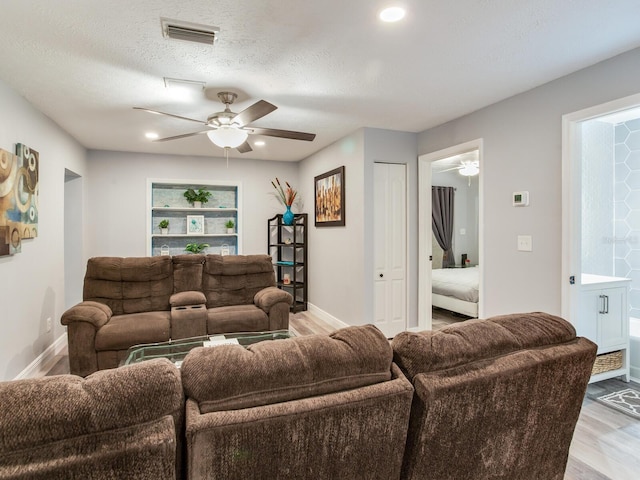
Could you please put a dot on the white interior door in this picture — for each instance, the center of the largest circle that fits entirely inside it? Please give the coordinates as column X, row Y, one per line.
column 390, row 247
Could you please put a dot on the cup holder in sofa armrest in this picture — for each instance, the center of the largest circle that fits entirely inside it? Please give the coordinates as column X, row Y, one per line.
column 188, row 320
column 184, row 299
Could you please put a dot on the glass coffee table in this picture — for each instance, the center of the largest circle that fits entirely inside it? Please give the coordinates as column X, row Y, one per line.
column 176, row 350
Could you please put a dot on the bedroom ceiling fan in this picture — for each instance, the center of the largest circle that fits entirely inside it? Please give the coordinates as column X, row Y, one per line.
column 467, row 164
column 228, row 129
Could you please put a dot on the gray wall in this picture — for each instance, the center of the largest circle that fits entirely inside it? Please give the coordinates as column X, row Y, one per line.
column 341, row 258
column 336, row 254
column 118, row 185
column 522, row 151
column 32, row 282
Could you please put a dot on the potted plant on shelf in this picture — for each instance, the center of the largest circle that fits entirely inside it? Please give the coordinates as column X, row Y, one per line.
column 196, row 247
column 197, row 198
column 164, row 226
column 230, row 226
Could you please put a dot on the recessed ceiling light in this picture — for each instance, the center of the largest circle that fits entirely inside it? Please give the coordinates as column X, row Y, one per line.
column 392, row 14
column 259, row 143
column 151, row 135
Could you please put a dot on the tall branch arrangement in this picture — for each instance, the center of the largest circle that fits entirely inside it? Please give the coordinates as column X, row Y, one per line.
column 288, row 196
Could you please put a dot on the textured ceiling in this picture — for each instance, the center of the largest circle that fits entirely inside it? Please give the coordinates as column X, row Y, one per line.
column 330, row 66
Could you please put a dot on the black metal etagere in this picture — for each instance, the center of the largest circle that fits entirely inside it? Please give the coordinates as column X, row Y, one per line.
column 288, row 248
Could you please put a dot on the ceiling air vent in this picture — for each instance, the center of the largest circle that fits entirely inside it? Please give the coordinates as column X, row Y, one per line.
column 191, row 32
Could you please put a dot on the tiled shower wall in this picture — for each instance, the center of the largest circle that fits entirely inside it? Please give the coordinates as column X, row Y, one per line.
column 627, row 208
column 597, row 198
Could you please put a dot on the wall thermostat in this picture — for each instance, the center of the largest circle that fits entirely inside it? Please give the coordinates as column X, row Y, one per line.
column 520, row 199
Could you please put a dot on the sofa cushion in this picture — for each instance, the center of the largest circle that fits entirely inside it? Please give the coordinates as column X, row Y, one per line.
column 233, row 377
column 129, row 285
column 187, row 272
column 235, row 279
column 123, row 331
column 475, row 340
column 236, row 318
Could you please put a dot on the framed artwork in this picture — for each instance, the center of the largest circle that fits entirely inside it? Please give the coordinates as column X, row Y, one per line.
column 19, row 187
column 329, row 199
column 195, row 224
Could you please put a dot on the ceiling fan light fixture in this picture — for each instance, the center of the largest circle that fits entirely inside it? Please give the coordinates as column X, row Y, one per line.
column 392, row 14
column 227, row 136
column 469, row 170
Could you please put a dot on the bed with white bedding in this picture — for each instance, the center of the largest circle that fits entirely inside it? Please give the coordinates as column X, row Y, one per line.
column 456, row 289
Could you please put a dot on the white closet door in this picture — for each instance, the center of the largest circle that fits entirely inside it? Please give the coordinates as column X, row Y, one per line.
column 390, row 245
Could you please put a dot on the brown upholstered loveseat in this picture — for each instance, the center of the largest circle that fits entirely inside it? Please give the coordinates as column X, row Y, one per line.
column 130, row 301
column 495, row 398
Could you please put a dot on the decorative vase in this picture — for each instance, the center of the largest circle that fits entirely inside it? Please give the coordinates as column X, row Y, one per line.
column 197, row 204
column 164, row 231
column 288, row 216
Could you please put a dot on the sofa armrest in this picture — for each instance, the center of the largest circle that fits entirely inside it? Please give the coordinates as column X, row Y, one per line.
column 270, row 296
column 184, row 299
column 94, row 313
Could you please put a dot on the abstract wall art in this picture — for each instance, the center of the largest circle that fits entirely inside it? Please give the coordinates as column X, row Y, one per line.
column 330, row 198
column 19, row 184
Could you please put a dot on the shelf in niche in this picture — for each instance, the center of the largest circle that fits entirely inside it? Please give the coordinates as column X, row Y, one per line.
column 191, row 209
column 180, row 235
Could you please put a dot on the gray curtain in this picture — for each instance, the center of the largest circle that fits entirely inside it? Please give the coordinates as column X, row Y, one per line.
column 442, row 221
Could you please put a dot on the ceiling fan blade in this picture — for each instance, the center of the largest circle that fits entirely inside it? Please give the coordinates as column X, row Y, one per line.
column 169, row 115
column 271, row 132
column 176, row 137
column 254, row 112
column 448, row 169
column 244, row 148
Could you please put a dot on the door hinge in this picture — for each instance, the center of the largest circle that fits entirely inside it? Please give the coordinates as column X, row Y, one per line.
column 572, row 280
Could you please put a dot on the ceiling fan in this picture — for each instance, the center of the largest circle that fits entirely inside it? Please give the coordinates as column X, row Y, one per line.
column 468, row 164
column 227, row 129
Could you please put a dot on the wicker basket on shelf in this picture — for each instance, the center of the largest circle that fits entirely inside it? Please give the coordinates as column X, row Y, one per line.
column 607, row 362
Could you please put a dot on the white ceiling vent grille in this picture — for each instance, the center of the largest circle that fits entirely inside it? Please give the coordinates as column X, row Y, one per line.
column 191, row 32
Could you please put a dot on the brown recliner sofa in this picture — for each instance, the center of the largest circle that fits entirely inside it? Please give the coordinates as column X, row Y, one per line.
column 137, row 300
column 124, row 423
column 494, row 399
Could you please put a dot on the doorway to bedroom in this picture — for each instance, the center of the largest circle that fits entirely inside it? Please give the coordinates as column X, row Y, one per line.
column 450, row 251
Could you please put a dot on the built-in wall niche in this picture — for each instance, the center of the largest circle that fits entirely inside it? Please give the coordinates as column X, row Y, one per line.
column 208, row 224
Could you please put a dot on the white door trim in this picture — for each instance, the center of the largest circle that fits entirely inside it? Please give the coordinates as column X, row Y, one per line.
column 571, row 197
column 424, row 226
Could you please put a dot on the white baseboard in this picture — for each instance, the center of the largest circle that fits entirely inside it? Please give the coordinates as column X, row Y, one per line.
column 35, row 367
column 326, row 317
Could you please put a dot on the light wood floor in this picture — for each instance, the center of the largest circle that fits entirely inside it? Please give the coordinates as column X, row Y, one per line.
column 606, row 443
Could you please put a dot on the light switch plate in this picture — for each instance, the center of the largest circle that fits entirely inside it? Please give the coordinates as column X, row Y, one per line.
column 525, row 243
